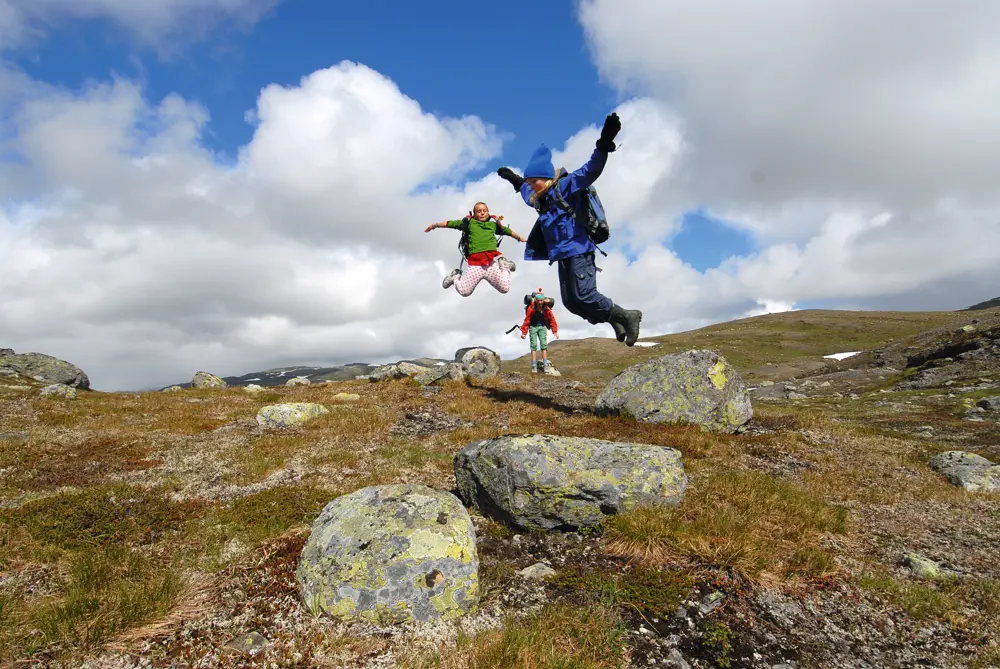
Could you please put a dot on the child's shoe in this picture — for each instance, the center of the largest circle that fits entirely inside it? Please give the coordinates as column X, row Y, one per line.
column 450, row 280
column 534, row 367
column 509, row 264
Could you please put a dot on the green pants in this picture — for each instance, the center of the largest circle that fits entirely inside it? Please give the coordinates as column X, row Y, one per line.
column 536, row 337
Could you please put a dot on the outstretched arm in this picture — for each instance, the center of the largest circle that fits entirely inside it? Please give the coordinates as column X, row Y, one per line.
column 507, row 231
column 587, row 175
column 443, row 224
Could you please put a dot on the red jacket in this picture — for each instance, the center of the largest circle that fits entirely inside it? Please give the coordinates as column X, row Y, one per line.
column 550, row 319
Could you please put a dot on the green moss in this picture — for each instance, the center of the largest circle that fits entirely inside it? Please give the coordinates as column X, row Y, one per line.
column 652, row 592
column 99, row 516
column 272, row 512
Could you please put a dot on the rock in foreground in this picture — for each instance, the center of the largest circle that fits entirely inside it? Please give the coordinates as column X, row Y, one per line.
column 967, row 470
column 288, row 415
column 564, row 483
column 694, row 388
column 44, row 368
column 479, row 362
column 391, row 554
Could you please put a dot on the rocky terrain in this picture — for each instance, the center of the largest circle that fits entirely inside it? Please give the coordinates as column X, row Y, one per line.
column 851, row 518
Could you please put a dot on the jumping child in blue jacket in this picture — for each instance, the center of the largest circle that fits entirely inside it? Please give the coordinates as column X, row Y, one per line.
column 557, row 237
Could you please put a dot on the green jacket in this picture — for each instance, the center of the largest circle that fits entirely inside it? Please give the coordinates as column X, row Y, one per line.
column 482, row 234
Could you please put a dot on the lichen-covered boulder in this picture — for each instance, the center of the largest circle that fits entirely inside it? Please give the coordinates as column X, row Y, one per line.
column 564, row 483
column 391, row 554
column 60, row 390
column 967, row 470
column 44, row 368
column 172, row 389
column 400, row 370
column 478, row 362
column 299, row 381
column 206, row 380
column 253, row 388
column 288, row 415
column 695, row 388
column 451, row 371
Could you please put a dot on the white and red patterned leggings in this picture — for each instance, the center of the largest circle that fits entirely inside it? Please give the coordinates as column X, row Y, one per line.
column 496, row 275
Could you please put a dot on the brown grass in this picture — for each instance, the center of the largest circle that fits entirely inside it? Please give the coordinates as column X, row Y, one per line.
column 751, row 524
column 559, row 637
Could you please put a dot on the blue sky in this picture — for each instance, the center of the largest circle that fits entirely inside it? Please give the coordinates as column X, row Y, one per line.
column 533, row 79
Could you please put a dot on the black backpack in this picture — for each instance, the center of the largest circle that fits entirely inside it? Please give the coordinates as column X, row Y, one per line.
column 528, row 299
column 463, row 242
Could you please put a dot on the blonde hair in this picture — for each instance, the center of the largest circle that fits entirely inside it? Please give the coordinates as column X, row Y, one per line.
column 535, row 197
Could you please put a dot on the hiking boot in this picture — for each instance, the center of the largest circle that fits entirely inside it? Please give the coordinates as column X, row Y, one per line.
column 450, row 280
column 629, row 320
column 509, row 264
column 619, row 330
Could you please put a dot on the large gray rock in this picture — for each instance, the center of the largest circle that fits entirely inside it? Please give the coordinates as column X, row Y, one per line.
column 696, row 388
column 451, row 371
column 390, row 554
column 44, row 368
column 207, row 380
column 478, row 362
column 400, row 370
column 563, row 483
column 967, row 470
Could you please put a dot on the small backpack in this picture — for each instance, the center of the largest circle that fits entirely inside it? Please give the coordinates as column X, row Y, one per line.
column 596, row 221
column 463, row 242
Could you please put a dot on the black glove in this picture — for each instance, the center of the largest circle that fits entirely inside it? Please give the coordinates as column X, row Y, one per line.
column 612, row 124
column 508, row 174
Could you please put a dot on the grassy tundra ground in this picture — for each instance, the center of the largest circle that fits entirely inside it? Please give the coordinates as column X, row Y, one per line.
column 160, row 527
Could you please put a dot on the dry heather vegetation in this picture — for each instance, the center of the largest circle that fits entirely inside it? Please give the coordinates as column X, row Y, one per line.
column 152, row 529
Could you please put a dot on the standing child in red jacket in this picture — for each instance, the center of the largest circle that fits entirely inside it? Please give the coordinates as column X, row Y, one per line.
column 538, row 318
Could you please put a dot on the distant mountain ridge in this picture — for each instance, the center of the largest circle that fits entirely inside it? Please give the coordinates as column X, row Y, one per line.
column 280, row 375
column 988, row 304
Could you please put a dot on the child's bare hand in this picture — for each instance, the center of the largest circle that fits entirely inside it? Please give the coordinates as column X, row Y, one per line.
column 524, row 336
column 431, row 227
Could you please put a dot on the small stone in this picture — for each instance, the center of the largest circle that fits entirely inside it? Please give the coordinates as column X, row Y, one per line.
column 989, row 403
column 60, row 390
column 711, row 602
column 537, row 572
column 797, row 396
column 967, row 328
column 249, row 644
column 517, row 539
column 681, row 612
column 825, row 384
column 677, row 660
column 172, row 389
column 922, row 567
column 854, row 396
column 299, row 381
column 347, row 397
column 253, row 389
column 287, row 415
column 15, row 436
column 766, row 384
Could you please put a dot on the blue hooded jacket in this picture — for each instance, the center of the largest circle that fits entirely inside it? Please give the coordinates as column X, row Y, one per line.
column 560, row 237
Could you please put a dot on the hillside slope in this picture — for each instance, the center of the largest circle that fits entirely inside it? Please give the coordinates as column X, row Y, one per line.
column 772, row 347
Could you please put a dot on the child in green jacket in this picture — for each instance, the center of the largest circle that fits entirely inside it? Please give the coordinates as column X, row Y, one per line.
column 484, row 259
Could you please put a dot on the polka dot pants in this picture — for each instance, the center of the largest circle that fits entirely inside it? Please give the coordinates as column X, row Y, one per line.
column 496, row 275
